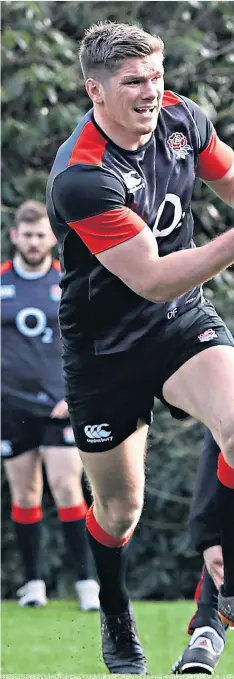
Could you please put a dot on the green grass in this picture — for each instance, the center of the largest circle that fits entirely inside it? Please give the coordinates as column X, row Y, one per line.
column 59, row 641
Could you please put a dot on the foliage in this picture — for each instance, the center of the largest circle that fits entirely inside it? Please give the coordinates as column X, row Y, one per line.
column 43, row 98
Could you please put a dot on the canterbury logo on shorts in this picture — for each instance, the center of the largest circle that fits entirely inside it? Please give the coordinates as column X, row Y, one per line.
column 97, row 433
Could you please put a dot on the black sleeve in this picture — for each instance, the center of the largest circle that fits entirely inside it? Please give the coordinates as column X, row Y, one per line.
column 202, row 122
column 83, row 191
column 203, row 519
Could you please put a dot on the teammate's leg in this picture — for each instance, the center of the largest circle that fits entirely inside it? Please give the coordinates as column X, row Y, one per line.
column 117, row 479
column 205, row 624
column 207, row 632
column 205, row 535
column 24, row 474
column 64, row 472
column 204, row 388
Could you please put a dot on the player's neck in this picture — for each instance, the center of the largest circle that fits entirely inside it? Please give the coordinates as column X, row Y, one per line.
column 42, row 268
column 124, row 138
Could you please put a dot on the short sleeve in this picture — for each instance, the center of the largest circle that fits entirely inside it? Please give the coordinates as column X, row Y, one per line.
column 215, row 157
column 92, row 201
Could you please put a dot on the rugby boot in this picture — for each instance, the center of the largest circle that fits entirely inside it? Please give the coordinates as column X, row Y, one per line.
column 202, row 653
column 87, row 592
column 33, row 593
column 226, row 608
column 121, row 648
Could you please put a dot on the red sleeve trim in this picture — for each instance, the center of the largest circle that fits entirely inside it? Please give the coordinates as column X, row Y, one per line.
column 215, row 161
column 6, row 266
column 108, row 229
column 89, row 147
column 170, row 99
column 56, row 265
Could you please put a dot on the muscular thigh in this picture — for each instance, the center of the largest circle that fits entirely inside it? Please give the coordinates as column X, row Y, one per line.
column 204, row 388
column 62, row 462
column 107, row 396
column 119, row 472
column 24, row 474
column 110, row 400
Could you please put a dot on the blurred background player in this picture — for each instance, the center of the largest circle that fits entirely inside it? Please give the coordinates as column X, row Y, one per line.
column 35, row 424
column 207, row 631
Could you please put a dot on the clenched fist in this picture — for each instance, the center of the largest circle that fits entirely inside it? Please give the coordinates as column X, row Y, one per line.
column 213, row 558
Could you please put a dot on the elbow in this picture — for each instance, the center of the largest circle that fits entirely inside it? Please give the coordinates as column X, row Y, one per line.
column 152, row 286
column 155, row 294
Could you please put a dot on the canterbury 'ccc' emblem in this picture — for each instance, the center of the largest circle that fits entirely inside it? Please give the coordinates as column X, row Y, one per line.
column 97, row 432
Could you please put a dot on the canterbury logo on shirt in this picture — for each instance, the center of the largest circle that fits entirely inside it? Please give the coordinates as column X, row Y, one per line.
column 133, row 181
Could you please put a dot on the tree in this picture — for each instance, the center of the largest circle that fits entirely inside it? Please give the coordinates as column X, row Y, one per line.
column 43, row 99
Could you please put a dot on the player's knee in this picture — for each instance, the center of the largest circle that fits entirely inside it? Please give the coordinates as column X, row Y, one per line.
column 67, row 491
column 122, row 515
column 27, row 497
column 26, row 492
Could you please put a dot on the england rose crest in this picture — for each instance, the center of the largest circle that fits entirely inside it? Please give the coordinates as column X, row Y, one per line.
column 179, row 144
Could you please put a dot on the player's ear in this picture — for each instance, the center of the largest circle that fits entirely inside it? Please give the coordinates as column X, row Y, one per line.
column 13, row 235
column 94, row 90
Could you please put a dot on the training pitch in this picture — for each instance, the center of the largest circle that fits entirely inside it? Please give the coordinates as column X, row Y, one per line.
column 59, row 642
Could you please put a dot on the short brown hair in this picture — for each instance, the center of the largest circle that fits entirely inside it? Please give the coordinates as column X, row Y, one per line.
column 106, row 44
column 30, row 211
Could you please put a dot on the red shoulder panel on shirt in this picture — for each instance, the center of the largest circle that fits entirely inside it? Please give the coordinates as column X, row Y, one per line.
column 104, row 231
column 89, row 148
column 6, row 266
column 215, row 161
column 170, row 99
column 56, row 264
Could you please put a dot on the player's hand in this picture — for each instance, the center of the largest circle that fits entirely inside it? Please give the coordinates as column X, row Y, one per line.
column 60, row 411
column 213, row 558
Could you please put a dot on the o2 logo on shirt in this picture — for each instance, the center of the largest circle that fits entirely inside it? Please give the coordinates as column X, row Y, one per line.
column 177, row 216
column 32, row 322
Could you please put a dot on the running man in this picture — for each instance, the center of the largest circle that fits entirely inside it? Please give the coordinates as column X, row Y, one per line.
column 133, row 317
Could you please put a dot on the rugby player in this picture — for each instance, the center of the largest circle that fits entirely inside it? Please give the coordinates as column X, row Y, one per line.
column 206, row 629
column 35, row 421
column 134, row 320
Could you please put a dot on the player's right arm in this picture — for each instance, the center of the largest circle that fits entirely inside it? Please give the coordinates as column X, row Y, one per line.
column 92, row 202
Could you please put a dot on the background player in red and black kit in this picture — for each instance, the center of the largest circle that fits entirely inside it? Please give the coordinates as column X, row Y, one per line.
column 119, row 197
column 206, row 629
column 35, row 422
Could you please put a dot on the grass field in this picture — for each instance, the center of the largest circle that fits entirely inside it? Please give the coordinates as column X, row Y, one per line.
column 59, row 641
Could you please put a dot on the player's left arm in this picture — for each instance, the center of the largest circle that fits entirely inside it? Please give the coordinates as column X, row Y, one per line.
column 216, row 159
column 224, row 187
column 216, row 168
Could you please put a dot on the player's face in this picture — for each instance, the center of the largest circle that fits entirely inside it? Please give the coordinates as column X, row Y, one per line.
column 132, row 97
column 33, row 241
